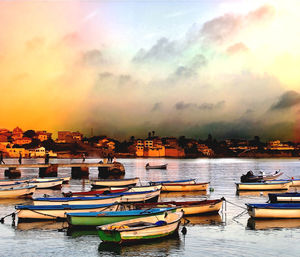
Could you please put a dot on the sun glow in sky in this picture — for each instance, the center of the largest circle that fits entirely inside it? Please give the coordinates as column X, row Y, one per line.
column 178, row 67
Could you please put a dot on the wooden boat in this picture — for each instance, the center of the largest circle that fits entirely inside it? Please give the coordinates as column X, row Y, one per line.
column 51, row 212
column 184, row 187
column 258, row 193
column 160, row 167
column 250, row 177
column 141, row 188
column 14, row 181
column 183, row 194
column 17, row 191
column 52, row 183
column 274, row 210
column 184, row 181
column 114, row 182
column 108, row 190
column 263, row 186
column 188, row 207
column 285, row 197
column 103, row 218
column 262, row 224
column 77, row 200
column 66, row 180
column 140, row 229
column 142, row 196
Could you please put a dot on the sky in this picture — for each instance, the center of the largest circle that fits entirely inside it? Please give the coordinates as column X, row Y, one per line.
column 176, row 67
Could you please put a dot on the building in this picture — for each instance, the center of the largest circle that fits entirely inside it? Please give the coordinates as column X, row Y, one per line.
column 277, row 145
column 15, row 152
column 22, row 141
column 205, row 150
column 175, row 152
column 17, row 133
column 43, row 135
column 151, row 147
column 68, row 137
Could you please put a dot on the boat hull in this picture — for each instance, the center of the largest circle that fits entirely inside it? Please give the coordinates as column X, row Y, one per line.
column 184, row 187
column 53, row 184
column 285, row 198
column 127, row 236
column 262, row 186
column 186, row 181
column 52, row 214
column 80, row 201
column 114, row 183
column 270, row 212
column 17, row 192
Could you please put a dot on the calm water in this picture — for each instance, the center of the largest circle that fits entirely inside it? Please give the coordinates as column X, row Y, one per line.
column 226, row 234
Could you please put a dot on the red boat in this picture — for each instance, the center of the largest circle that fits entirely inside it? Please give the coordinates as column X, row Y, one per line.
column 103, row 191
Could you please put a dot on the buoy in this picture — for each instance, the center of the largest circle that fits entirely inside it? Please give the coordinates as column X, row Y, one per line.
column 211, row 189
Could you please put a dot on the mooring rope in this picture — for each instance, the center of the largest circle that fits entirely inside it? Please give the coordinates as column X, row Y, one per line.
column 235, row 204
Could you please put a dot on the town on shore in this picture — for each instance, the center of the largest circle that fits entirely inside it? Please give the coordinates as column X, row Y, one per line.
column 35, row 144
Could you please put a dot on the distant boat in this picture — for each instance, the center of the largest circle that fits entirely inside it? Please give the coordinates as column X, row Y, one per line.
column 114, row 182
column 77, row 200
column 140, row 229
column 188, row 207
column 285, row 198
column 103, row 218
column 184, row 187
column 274, row 210
column 184, row 181
column 268, row 185
column 250, row 177
column 16, row 191
column 161, row 167
column 28, row 212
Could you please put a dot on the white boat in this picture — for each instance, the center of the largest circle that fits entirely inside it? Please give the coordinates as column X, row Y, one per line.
column 114, row 182
column 267, row 185
column 14, row 181
column 66, row 180
column 16, row 191
column 52, row 183
column 59, row 211
column 77, row 200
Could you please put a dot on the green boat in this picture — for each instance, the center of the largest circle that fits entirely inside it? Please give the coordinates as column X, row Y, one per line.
column 140, row 229
column 103, row 218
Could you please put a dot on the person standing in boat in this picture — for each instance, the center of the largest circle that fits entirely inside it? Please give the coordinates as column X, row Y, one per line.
column 1, row 158
column 20, row 158
column 83, row 157
column 47, row 158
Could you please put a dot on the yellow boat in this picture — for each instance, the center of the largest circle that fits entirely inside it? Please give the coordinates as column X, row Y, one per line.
column 263, row 186
column 184, row 187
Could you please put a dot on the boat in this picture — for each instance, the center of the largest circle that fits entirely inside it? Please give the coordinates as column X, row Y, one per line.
column 263, row 186
column 160, row 167
column 114, row 182
column 274, row 210
column 142, row 196
column 140, row 229
column 77, row 200
column 17, row 191
column 184, row 181
column 262, row 224
column 183, row 194
column 184, row 187
column 250, row 177
column 285, row 197
column 52, row 183
column 293, row 182
column 103, row 218
column 30, row 212
column 188, row 207
column 14, row 181
column 103, row 191
column 66, row 180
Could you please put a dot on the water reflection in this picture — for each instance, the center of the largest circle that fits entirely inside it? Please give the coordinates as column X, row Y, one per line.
column 159, row 247
column 76, row 232
column 214, row 219
column 41, row 225
column 273, row 223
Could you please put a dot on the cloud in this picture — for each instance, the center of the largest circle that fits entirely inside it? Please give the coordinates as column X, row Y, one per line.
column 225, row 27
column 92, row 57
column 237, row 48
column 287, row 100
column 204, row 106
column 156, row 107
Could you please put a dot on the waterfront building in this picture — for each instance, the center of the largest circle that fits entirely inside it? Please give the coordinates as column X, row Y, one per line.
column 277, row 145
column 68, row 137
column 43, row 135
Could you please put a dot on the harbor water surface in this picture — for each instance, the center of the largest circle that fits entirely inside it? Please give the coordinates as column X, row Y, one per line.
column 229, row 233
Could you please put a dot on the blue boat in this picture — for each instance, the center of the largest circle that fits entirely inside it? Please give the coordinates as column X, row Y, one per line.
column 285, row 198
column 185, row 181
column 77, row 200
column 274, row 210
column 103, row 218
column 59, row 211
